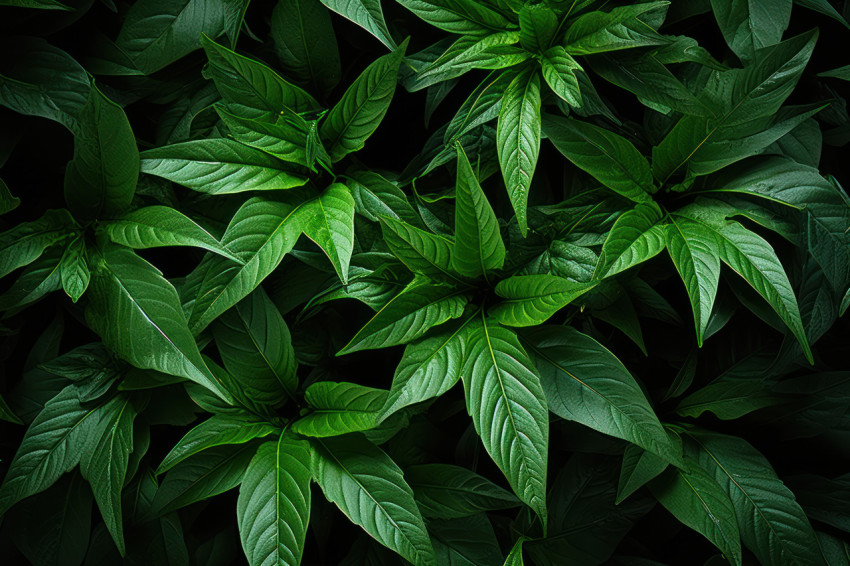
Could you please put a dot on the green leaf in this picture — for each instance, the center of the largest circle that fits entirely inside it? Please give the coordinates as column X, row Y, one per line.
column 366, row 14
column 728, row 399
column 362, row 107
column 74, row 269
column 538, row 25
column 428, row 368
column 826, row 210
column 259, row 234
column 101, row 179
column 422, row 252
column 509, row 411
column 518, row 139
column 609, row 158
column 467, row 541
column 749, row 26
column 284, row 135
column 408, row 316
column 273, row 509
column 842, row 73
column 694, row 253
column 23, row 244
column 339, row 408
column 586, row 383
column 305, row 44
column 29, row 86
column 251, row 85
column 753, row 258
column 445, row 491
column 559, row 72
column 637, row 469
column 770, row 521
column 515, row 555
column 219, row 166
column 462, row 17
column 823, row 7
column 137, row 314
column 52, row 445
column 597, row 32
column 8, row 201
column 204, row 475
column 533, row 299
column 329, row 221
column 694, row 497
column 478, row 248
column 370, row 490
column 256, row 348
column 216, row 431
column 741, row 96
column 634, row 238
column 158, row 226
column 105, row 465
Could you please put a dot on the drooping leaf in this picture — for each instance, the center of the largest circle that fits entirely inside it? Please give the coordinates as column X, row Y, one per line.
column 586, row 383
column 329, row 221
column 137, row 313
column 609, row 158
column 770, row 521
column 509, row 410
column 105, row 465
column 445, row 491
column 370, row 490
column 52, row 445
column 518, row 139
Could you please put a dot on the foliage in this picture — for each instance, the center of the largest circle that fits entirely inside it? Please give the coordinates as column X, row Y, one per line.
column 446, row 282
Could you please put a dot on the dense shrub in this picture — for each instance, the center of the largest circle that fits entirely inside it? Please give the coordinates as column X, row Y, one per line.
column 249, row 251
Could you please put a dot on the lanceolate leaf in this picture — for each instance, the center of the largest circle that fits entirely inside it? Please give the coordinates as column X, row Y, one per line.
column 216, row 431
column 559, row 72
column 771, row 522
column 260, row 234
column 635, row 237
column 220, row 166
column 611, row 159
column 694, row 253
column 137, row 314
column 52, row 445
column 597, row 32
column 251, row 85
column 101, row 179
column 329, row 221
column 518, row 139
column 157, row 226
column 370, row 489
column 749, row 26
column 422, row 252
column 429, row 367
column 25, row 243
column 105, row 464
column 360, row 110
column 532, row 299
column 408, row 316
column 449, row 492
column 585, row 382
column 694, row 497
column 508, row 408
column 273, row 509
column 366, row 14
column 478, row 244
column 339, row 408
column 256, row 348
